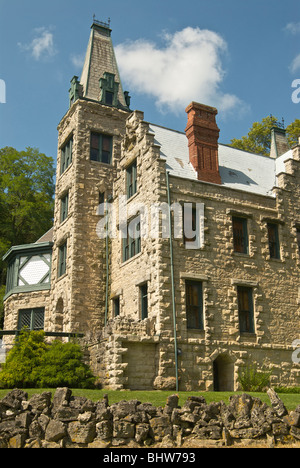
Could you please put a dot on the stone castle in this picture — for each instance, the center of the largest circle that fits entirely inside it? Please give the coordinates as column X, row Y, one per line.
column 176, row 257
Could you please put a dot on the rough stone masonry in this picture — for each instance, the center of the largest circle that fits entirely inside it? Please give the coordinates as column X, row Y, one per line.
column 157, row 314
column 67, row 421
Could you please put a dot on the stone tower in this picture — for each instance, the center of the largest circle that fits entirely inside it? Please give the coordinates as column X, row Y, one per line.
column 89, row 146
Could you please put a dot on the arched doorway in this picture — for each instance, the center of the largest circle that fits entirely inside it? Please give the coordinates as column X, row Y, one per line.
column 223, row 370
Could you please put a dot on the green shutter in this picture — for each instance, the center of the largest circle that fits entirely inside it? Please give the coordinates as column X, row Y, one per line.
column 131, row 179
column 66, row 155
column 62, row 267
column 64, row 207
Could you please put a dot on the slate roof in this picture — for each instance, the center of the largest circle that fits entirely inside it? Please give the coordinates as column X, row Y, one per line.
column 238, row 169
column 47, row 237
column 99, row 58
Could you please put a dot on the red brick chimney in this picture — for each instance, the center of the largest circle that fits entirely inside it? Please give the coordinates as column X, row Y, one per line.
column 202, row 133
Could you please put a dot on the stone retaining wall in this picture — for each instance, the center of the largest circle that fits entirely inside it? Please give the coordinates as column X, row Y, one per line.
column 68, row 421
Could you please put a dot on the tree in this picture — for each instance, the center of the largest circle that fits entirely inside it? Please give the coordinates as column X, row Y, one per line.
column 26, row 195
column 26, row 198
column 293, row 132
column 258, row 139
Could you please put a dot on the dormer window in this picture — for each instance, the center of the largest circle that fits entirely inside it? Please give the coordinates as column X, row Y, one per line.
column 76, row 91
column 109, row 89
column 109, row 98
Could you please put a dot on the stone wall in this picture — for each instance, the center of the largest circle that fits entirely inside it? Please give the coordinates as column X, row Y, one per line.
column 23, row 300
column 68, row 421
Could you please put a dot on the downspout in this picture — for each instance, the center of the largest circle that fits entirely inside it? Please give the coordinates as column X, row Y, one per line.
column 107, row 261
column 172, row 280
column 106, row 285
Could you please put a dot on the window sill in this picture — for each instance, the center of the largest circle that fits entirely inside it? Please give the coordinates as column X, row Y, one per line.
column 62, row 276
column 66, row 170
column 65, row 220
column 131, row 259
column 102, row 163
column 241, row 254
column 248, row 337
column 132, row 197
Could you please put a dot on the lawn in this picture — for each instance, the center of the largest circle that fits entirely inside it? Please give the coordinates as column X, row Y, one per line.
column 158, row 398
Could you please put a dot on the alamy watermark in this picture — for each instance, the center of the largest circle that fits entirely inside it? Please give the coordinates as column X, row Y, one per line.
column 2, row 352
column 2, row 92
column 296, row 353
column 140, row 221
column 296, row 93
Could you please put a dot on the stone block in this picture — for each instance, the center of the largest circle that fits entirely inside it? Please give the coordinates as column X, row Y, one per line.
column 82, row 433
column 123, row 429
column 55, row 431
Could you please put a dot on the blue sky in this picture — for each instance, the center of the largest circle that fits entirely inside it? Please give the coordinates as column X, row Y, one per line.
column 240, row 56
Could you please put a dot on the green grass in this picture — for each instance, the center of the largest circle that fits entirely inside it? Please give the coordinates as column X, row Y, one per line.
column 158, row 398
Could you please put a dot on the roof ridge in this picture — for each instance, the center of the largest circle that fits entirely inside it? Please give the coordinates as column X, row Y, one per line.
column 166, row 128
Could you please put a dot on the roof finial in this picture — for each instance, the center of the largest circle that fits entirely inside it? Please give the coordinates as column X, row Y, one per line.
column 280, row 124
column 277, row 123
column 101, row 23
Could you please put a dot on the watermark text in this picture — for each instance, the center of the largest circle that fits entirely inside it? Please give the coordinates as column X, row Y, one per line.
column 296, row 92
column 2, row 92
column 296, row 353
column 137, row 220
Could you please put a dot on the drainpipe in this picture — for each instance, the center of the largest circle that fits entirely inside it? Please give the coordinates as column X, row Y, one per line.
column 106, row 286
column 172, row 280
column 109, row 198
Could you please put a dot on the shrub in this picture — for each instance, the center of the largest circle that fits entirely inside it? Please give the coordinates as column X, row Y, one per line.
column 62, row 366
column 25, row 355
column 252, row 380
column 33, row 363
column 291, row 390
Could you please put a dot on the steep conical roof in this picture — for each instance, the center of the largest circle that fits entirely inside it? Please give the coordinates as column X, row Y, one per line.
column 100, row 62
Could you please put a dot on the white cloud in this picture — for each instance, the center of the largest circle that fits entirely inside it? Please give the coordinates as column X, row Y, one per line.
column 293, row 28
column 77, row 60
column 42, row 46
column 295, row 65
column 188, row 68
